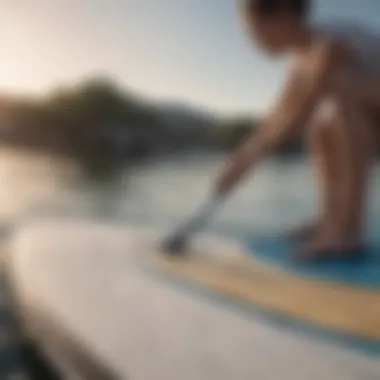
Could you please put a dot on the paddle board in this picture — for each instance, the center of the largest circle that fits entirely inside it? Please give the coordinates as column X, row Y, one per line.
column 102, row 299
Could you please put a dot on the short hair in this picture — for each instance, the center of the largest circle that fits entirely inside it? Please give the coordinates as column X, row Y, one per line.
column 268, row 8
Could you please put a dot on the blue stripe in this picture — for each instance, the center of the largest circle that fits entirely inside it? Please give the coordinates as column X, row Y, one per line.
column 362, row 270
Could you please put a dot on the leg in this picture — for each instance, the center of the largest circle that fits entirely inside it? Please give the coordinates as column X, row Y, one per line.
column 360, row 135
column 326, row 163
column 344, row 179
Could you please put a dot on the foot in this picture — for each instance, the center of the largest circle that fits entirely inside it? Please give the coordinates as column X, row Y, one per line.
column 302, row 232
column 321, row 249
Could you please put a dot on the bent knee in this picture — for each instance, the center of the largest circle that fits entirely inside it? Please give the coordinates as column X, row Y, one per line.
column 325, row 118
column 328, row 112
column 334, row 117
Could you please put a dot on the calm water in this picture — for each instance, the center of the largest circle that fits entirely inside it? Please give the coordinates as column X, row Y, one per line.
column 163, row 192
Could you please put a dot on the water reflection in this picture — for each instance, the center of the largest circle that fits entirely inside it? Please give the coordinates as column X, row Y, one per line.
column 161, row 192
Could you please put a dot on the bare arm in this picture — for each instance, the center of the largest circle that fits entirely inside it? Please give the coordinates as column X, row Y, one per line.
column 291, row 113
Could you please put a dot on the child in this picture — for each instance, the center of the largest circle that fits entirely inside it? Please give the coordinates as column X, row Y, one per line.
column 332, row 94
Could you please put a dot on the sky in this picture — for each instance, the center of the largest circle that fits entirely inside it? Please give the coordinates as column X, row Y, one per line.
column 178, row 50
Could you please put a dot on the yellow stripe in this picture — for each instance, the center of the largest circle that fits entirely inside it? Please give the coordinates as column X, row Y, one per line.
column 345, row 309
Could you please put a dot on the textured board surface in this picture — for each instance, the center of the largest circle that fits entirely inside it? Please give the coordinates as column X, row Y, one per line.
column 329, row 297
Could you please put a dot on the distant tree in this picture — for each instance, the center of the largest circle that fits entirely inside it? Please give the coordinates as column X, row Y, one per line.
column 99, row 102
column 93, row 103
column 236, row 130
